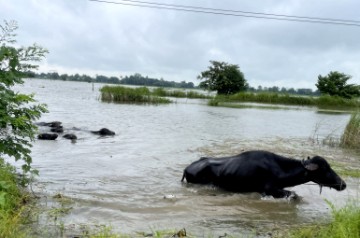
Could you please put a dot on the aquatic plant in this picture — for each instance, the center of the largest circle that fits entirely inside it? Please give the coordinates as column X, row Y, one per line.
column 274, row 98
column 161, row 92
column 286, row 99
column 122, row 94
column 144, row 94
column 351, row 136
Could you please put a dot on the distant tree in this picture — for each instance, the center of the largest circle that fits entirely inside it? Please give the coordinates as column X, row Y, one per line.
column 63, row 77
column 283, row 90
column 304, row 91
column 335, row 84
column 274, row 89
column 224, row 78
column 54, row 75
column 292, row 91
column 251, row 89
column 17, row 111
column 114, row 80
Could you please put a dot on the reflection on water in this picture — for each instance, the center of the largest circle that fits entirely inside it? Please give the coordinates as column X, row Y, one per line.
column 122, row 180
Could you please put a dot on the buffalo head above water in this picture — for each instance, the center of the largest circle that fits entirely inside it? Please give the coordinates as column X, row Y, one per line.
column 320, row 172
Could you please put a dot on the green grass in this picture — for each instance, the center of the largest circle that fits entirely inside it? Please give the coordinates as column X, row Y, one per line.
column 345, row 170
column 12, row 203
column 161, row 92
column 272, row 98
column 345, row 224
column 351, row 137
column 324, row 102
column 122, row 94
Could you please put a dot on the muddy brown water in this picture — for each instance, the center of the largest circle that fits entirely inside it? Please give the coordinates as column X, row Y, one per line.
column 122, row 180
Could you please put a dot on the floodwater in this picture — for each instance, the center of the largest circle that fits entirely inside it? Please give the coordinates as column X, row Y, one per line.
column 122, row 180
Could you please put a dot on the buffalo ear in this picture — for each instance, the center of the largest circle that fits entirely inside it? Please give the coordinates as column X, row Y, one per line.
column 311, row 167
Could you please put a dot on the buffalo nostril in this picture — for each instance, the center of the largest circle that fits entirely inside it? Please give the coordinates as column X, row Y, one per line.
column 342, row 185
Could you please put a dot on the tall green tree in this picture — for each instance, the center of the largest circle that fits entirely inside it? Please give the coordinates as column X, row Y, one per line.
column 224, row 78
column 335, row 84
column 17, row 111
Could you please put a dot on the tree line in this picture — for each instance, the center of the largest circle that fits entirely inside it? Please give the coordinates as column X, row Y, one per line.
column 223, row 78
column 136, row 79
column 227, row 79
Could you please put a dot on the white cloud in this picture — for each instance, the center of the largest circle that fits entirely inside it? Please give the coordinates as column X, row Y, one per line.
column 97, row 38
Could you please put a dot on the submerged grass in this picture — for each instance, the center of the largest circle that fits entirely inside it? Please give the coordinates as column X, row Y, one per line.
column 161, row 92
column 345, row 224
column 122, row 94
column 351, row 137
column 286, row 99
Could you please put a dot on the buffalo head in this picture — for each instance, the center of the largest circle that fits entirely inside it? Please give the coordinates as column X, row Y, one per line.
column 320, row 172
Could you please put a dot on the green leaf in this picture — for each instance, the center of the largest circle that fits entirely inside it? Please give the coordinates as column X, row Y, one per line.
column 17, row 111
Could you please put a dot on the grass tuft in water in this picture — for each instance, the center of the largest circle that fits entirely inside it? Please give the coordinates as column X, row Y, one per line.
column 122, row 94
column 351, row 136
column 161, row 92
column 324, row 101
column 345, row 224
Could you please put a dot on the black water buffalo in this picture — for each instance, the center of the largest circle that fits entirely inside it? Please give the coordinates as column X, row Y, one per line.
column 263, row 172
column 70, row 136
column 58, row 129
column 47, row 136
column 49, row 124
column 104, row 132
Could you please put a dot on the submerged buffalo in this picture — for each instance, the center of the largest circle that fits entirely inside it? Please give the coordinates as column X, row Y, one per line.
column 47, row 136
column 70, row 136
column 104, row 132
column 263, row 172
column 49, row 124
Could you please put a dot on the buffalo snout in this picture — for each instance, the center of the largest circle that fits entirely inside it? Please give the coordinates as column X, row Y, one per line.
column 341, row 186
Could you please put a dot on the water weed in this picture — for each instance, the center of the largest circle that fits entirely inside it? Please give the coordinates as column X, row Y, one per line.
column 351, row 136
column 121, row 94
column 322, row 102
column 145, row 95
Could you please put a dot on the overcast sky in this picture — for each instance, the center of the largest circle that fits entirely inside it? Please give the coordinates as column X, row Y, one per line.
column 116, row 40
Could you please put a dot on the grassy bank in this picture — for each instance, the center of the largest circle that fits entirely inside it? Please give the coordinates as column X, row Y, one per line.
column 351, row 136
column 345, row 224
column 123, row 94
column 120, row 94
column 13, row 202
column 285, row 99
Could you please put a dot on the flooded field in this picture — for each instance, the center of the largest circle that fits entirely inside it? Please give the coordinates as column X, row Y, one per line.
column 122, row 180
